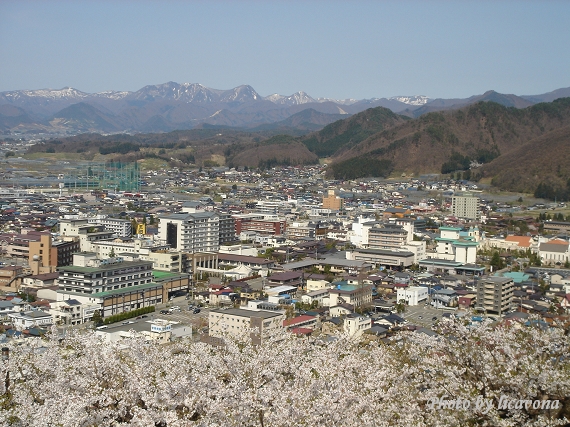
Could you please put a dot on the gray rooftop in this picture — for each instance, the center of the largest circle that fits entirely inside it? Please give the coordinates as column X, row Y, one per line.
column 553, row 247
column 247, row 313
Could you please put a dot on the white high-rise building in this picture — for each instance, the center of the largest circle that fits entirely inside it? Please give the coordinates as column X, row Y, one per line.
column 191, row 232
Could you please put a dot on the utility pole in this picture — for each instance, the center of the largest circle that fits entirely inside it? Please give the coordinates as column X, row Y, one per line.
column 5, row 358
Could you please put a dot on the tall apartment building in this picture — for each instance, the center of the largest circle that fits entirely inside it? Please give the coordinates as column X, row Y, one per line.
column 495, row 294
column 191, row 232
column 227, row 231
column 465, row 206
column 227, row 228
column 332, row 201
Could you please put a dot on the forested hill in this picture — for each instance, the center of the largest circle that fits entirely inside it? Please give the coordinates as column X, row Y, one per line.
column 540, row 166
column 445, row 142
column 343, row 134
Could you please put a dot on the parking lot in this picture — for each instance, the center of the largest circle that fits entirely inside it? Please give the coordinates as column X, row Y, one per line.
column 423, row 316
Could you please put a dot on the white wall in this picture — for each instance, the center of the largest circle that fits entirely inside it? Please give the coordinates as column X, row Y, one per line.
column 412, row 295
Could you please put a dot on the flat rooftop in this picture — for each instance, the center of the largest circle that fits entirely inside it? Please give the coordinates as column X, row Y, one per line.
column 247, row 313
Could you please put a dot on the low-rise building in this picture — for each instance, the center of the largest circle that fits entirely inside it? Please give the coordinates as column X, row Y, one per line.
column 282, row 290
column 317, row 285
column 72, row 312
column 242, row 323
column 355, row 324
column 320, row 297
column 354, row 295
column 157, row 330
column 303, row 321
column 286, row 278
column 412, row 295
column 28, row 319
column 387, row 258
column 11, row 277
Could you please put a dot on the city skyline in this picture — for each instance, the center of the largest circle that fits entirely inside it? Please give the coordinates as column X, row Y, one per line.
column 327, row 49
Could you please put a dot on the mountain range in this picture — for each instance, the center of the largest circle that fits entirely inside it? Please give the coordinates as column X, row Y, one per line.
column 173, row 106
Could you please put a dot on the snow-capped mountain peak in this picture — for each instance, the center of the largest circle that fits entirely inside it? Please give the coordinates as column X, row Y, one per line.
column 243, row 93
column 296, row 99
column 412, row 100
column 51, row 94
column 347, row 101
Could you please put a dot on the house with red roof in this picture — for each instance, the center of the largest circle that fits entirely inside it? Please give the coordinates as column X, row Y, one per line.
column 303, row 321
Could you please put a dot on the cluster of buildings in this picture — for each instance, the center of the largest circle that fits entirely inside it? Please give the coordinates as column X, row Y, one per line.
column 309, row 241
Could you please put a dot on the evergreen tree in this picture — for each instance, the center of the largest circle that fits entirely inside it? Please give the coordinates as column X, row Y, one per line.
column 97, row 319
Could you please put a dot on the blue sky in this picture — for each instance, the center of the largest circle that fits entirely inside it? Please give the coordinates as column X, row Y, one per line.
column 338, row 49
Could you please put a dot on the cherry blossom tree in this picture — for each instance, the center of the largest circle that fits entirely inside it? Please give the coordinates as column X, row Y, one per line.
column 290, row 381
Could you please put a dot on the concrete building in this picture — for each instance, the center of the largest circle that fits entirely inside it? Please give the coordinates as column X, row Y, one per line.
column 157, row 330
column 17, row 245
column 120, row 227
column 388, row 237
column 124, row 246
column 412, row 295
column 382, row 257
column 358, row 235
column 191, row 232
column 350, row 294
column 172, row 261
column 355, row 325
column 11, row 275
column 241, row 323
column 321, row 297
column 332, row 201
column 85, row 232
column 72, row 312
column 45, row 254
column 557, row 226
column 281, row 291
column 117, row 286
column 317, row 285
column 495, row 295
column 104, row 275
column 465, row 206
column 227, row 228
column 452, row 246
column 261, row 224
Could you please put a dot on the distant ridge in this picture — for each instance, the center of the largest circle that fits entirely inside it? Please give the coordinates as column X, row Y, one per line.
column 520, row 149
column 171, row 106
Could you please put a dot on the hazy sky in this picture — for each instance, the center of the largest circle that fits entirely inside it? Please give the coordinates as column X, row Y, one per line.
column 338, row 49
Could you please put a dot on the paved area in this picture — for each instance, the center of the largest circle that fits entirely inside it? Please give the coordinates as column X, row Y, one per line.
column 185, row 315
column 423, row 316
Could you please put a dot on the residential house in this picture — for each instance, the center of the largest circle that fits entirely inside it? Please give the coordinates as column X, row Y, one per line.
column 28, row 319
